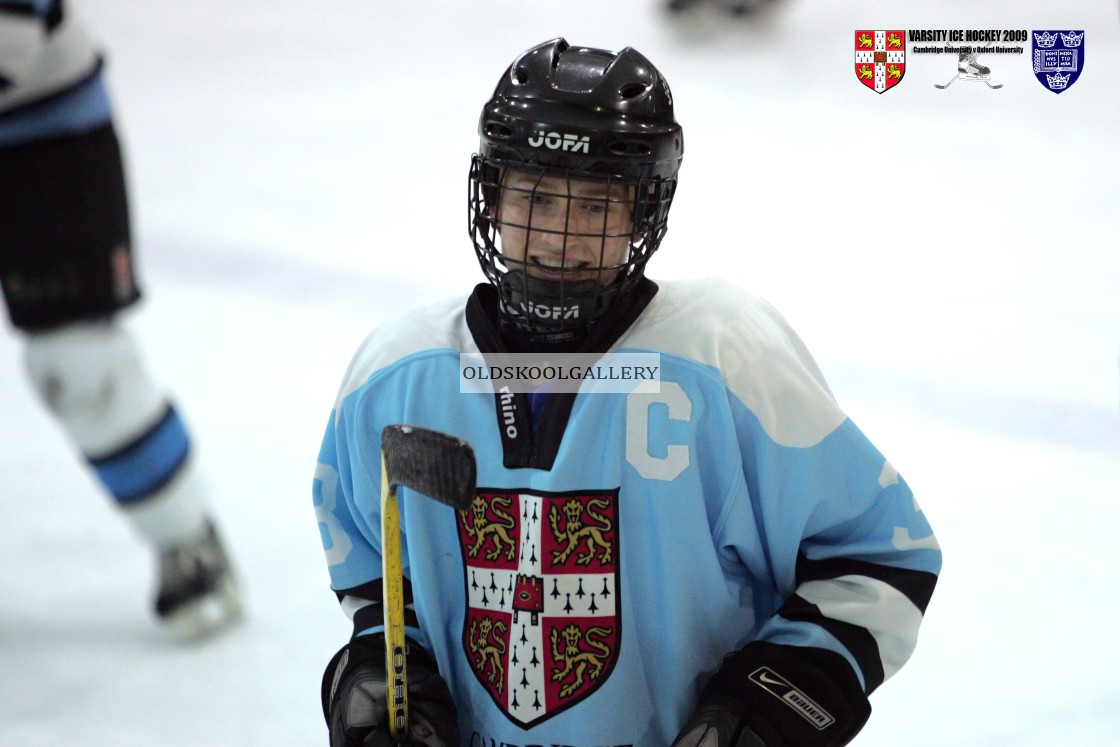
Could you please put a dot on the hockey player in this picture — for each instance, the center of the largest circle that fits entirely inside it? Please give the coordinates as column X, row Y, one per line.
column 66, row 271
column 720, row 560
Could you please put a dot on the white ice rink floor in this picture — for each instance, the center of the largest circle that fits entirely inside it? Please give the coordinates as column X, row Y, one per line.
column 298, row 171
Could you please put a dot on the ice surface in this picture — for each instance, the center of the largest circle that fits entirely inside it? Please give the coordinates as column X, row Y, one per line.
column 298, row 172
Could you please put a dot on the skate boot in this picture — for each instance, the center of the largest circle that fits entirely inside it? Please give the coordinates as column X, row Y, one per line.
column 969, row 67
column 198, row 594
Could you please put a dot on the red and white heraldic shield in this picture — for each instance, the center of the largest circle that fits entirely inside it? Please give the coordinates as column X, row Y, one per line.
column 880, row 58
column 542, row 627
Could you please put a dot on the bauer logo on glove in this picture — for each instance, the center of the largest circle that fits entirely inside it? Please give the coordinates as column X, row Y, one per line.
column 780, row 688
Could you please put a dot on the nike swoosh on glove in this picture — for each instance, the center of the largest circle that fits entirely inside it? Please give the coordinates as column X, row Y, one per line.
column 355, row 696
column 769, row 695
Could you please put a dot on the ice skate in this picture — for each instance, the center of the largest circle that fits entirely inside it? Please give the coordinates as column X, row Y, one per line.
column 198, row 594
column 969, row 69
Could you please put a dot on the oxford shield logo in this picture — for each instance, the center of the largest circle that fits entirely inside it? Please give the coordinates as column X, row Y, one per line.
column 880, row 58
column 542, row 628
column 1058, row 58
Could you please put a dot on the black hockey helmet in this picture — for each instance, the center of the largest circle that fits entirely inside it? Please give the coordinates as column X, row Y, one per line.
column 568, row 114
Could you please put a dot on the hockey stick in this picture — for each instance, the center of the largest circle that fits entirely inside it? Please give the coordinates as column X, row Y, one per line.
column 441, row 467
column 998, row 85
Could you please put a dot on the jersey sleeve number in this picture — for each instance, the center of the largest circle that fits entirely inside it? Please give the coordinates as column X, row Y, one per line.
column 336, row 543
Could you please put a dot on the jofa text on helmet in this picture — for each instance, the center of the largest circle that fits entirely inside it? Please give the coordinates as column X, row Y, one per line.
column 566, row 142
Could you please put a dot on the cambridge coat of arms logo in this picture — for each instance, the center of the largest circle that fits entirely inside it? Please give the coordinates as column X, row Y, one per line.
column 542, row 628
column 880, row 58
column 1058, row 58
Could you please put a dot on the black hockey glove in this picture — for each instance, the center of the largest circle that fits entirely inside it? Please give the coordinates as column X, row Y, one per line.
column 355, row 698
column 767, row 695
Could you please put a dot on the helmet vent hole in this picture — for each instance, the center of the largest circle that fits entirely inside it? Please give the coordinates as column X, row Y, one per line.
column 631, row 90
column 520, row 76
column 629, row 148
column 498, row 130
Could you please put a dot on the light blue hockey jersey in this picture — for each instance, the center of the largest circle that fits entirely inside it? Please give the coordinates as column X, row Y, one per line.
column 587, row 604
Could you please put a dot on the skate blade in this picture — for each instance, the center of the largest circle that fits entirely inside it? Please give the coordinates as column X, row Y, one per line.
column 207, row 615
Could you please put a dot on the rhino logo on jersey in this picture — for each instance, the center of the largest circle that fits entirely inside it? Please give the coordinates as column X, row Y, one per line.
column 542, row 628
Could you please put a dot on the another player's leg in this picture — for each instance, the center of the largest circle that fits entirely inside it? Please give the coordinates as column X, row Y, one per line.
column 66, row 269
column 89, row 375
column 736, row 7
column 742, row 7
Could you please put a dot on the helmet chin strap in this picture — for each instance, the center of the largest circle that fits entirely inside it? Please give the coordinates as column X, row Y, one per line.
column 550, row 311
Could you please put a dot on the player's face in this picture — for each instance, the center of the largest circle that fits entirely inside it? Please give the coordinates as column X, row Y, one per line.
column 565, row 229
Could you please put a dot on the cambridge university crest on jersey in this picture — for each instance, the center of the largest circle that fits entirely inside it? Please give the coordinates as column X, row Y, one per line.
column 542, row 627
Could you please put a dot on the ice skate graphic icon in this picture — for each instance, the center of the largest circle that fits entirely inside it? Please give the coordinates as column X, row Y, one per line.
column 969, row 69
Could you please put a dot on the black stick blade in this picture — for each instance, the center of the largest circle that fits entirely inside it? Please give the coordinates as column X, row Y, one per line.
column 432, row 463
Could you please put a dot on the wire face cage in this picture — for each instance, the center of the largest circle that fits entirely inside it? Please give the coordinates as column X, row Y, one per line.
column 562, row 246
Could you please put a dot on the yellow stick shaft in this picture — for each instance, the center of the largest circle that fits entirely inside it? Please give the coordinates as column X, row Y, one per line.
column 392, row 581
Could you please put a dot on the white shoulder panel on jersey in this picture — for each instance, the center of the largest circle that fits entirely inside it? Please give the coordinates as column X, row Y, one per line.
column 762, row 360
column 440, row 325
column 710, row 321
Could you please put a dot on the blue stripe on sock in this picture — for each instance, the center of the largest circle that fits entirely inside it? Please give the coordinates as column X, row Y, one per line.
column 143, row 467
